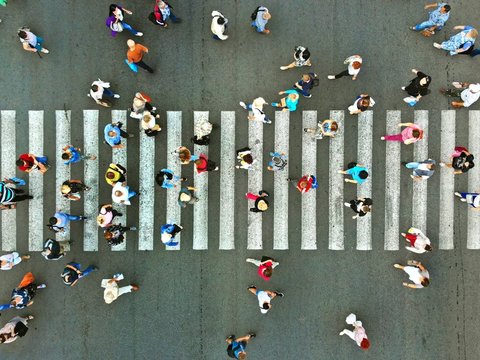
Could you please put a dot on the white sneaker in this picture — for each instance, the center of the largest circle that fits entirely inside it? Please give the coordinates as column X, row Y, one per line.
column 116, row 96
column 331, row 77
column 139, row 34
column 403, row 87
column 242, row 104
column 44, row 51
column 346, row 204
column 442, row 164
column 458, row 194
column 283, row 67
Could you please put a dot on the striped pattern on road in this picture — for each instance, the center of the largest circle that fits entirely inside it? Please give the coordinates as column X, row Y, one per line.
column 473, row 229
column 336, row 198
column 420, row 153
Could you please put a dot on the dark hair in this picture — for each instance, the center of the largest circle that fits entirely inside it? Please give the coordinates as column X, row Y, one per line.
column 22, row 34
column 416, row 133
column 469, row 158
column 425, row 282
column 111, row 9
column 52, row 220
column 220, row 20
column 364, row 102
column 306, row 54
column 248, row 158
column 265, row 306
column 66, row 156
column 428, row 247
column 268, row 271
column 447, row 8
column 94, row 87
column 108, row 235
column 334, row 126
column 428, row 79
column 366, row 208
column 110, row 175
column 433, row 166
column 19, row 162
column 363, row 174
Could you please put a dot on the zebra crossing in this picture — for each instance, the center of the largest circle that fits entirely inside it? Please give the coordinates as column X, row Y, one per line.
column 148, row 236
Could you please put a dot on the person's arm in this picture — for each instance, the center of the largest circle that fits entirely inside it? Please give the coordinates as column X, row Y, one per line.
column 464, row 47
column 412, row 286
column 281, row 93
column 351, row 181
column 413, row 249
column 191, row 188
column 405, row 124
column 144, row 49
column 429, row 6
column 127, row 11
column 459, row 27
column 409, row 141
column 28, row 48
column 298, row 86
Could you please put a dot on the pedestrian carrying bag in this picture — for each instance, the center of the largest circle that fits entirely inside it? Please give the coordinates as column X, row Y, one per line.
column 152, row 18
column 116, row 26
column 428, row 32
column 410, row 100
column 255, row 13
column 132, row 66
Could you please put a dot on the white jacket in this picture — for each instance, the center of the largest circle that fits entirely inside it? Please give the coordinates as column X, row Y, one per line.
column 216, row 28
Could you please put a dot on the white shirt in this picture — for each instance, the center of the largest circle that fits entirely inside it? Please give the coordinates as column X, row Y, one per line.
column 470, row 95
column 263, row 298
column 350, row 60
column 360, row 334
column 97, row 95
column 150, row 123
column 216, row 28
column 123, row 198
column 31, row 39
column 110, row 294
column 416, row 275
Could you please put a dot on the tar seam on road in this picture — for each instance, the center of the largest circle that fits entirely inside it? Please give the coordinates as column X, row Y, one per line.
column 420, row 188
column 473, row 238
column 255, row 183
column 309, row 198
column 63, row 122
column 280, row 183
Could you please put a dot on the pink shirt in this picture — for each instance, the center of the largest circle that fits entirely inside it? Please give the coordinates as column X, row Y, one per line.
column 407, row 133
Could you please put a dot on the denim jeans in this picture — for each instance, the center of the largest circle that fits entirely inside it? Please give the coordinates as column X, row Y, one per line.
column 426, row 24
column 42, row 159
column 38, row 46
column 129, row 28
column 73, row 217
column 88, row 270
column 108, row 92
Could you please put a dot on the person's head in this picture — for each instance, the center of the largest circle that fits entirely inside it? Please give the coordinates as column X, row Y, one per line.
column 262, row 205
column 108, row 235
column 425, row 81
column 220, row 20
column 65, row 189
column 425, row 282
column 366, row 208
column 365, row 344
column 94, row 88
column 147, row 116
column 334, row 126
column 365, row 101
column 118, row 193
column 100, row 220
column 259, row 102
column 112, row 133
column 266, row 306
column 303, row 184
column 110, row 175
column 363, row 174
column 428, row 247
column 306, row 77
column 248, row 158
column 416, row 133
column 185, row 197
column 131, row 44
column 66, row 155
column 242, row 355
column 472, row 34
column 161, row 4
column 184, row 154
column 22, row 34
column 268, row 271
column 356, row 65
column 431, row 166
column 293, row 96
column 112, row 9
column 445, row 9
column 306, row 54
column 266, row 15
column 20, row 162
column 52, row 220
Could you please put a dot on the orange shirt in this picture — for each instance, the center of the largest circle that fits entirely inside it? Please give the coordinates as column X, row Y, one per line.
column 136, row 54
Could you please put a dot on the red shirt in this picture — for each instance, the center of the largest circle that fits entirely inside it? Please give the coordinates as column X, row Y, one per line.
column 309, row 183
column 28, row 160
column 203, row 160
column 262, row 268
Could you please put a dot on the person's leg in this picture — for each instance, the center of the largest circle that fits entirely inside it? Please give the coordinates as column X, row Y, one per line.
column 144, row 66
column 174, row 18
column 304, row 92
column 251, row 196
column 124, row 134
column 254, row 262
column 124, row 290
column 38, row 45
column 108, row 92
column 74, row 217
column 88, row 270
column 253, row 290
column 18, row 198
column 396, row 137
column 342, row 74
column 349, row 333
column 474, row 52
column 129, row 28
column 42, row 159
column 452, row 92
column 422, row 26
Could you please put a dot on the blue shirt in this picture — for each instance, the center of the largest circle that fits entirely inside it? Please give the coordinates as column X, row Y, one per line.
column 112, row 140
column 355, row 172
column 75, row 156
column 437, row 17
column 291, row 104
column 259, row 23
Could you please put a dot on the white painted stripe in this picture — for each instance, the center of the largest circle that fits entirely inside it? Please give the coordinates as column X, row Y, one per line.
column 227, row 181
column 119, row 156
column 255, row 183
column 63, row 122
column 309, row 199
column 392, row 183
column 8, row 169
column 174, row 140
column 447, row 181
column 420, row 188
column 200, row 209
column 364, row 157
column 147, row 190
column 280, row 183
column 90, row 176
column 473, row 230
column 35, row 206
column 336, row 198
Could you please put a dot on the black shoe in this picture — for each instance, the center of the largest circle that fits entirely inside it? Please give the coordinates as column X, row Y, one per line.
column 29, row 197
column 252, row 334
column 251, row 287
column 119, row 214
column 279, row 294
column 177, row 20
column 230, row 337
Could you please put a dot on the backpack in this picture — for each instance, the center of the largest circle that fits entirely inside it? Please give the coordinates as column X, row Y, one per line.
column 255, row 13
column 20, row 329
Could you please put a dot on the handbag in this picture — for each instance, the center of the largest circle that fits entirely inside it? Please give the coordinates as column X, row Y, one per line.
column 428, row 32
column 116, row 26
column 132, row 66
column 410, row 100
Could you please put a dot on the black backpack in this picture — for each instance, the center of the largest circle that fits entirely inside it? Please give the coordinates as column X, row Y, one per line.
column 20, row 329
column 254, row 14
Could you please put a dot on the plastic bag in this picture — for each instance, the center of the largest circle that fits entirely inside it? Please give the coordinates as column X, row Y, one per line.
column 410, row 100
column 132, row 66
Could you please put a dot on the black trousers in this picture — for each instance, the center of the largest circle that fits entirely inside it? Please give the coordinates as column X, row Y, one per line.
column 144, row 66
column 342, row 74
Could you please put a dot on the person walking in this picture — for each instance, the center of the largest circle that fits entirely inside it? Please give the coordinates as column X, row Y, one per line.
column 236, row 347
column 410, row 135
column 9, row 196
column 59, row 221
column 261, row 203
column 203, row 129
column 417, row 273
column 141, row 103
column 149, row 125
column 245, row 159
column 260, row 18
column 99, row 90
column 301, row 57
column 162, row 12
column 114, row 234
column 354, row 65
column 288, row 103
column 306, row 183
column 265, row 266
column 29, row 162
column 113, row 291
column 167, row 179
column 306, row 84
column 54, row 250
column 30, row 41
column 186, row 196
column 264, row 297
column 324, row 128
column 419, row 243
column 106, row 215
column 15, row 328
column 461, row 43
column 358, row 334
column 471, row 198
column 468, row 93
column 462, row 160
column 135, row 56
column 73, row 155
column 203, row 164
column 121, row 193
column 8, row 261
column 116, row 23
column 358, row 172
column 113, row 135
column 256, row 107
column 185, row 155
column 361, row 206
column 72, row 273
column 71, row 189
column 417, row 88
column 168, row 233
column 421, row 170
column 278, row 162
column 115, row 173
column 361, row 104
column 436, row 19
column 219, row 26
column 22, row 296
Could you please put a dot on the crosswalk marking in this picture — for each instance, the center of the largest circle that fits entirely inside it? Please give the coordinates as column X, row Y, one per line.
column 280, row 184
column 35, row 206
column 119, row 156
column 392, row 184
column 8, row 169
column 147, row 197
column 90, row 175
column 200, row 209
column 63, row 121
column 420, row 153
column 309, row 199
column 473, row 232
column 336, row 198
column 447, row 181
column 227, row 181
column 255, row 183
column 364, row 157
column 174, row 140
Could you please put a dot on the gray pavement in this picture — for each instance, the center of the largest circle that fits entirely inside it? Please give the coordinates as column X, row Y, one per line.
column 190, row 300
